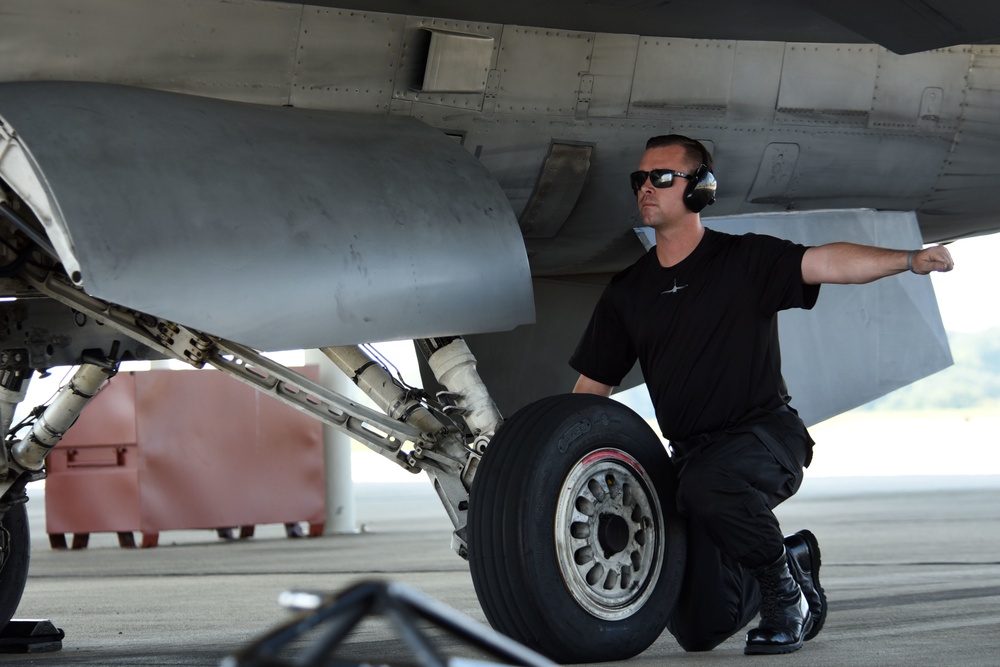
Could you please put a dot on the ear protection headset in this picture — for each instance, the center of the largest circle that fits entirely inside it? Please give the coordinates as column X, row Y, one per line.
column 700, row 190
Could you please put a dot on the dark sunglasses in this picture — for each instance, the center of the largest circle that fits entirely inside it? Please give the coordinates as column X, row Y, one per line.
column 660, row 178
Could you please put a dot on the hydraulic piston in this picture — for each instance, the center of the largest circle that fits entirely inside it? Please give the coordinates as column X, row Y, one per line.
column 30, row 452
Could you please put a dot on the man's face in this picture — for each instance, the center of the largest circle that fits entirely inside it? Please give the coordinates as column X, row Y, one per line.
column 660, row 207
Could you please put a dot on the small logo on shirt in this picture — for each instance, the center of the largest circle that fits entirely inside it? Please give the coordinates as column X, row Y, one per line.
column 675, row 289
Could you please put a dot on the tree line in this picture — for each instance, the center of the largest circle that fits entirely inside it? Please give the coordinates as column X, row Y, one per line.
column 972, row 382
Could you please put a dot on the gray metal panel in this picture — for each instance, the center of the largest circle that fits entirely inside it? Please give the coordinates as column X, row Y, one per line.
column 824, row 180
column 756, row 78
column 239, row 49
column 612, row 67
column 540, row 70
column 860, row 341
column 278, row 228
column 674, row 75
column 346, row 60
column 902, row 82
column 828, row 77
column 966, row 195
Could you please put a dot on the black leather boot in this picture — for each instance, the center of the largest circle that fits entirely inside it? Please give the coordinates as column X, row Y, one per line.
column 784, row 611
column 804, row 562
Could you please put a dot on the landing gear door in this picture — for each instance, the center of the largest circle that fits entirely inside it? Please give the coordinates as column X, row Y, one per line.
column 279, row 228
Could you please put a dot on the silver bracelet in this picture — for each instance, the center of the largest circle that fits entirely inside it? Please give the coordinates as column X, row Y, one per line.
column 909, row 261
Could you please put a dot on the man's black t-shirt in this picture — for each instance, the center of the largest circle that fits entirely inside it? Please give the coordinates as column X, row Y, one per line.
column 704, row 331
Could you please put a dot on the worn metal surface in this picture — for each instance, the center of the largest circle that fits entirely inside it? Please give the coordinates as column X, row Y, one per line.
column 277, row 228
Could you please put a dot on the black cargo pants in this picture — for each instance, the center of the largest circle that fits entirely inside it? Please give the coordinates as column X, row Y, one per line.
column 728, row 485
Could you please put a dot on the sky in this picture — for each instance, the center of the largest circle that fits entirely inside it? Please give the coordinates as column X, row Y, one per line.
column 969, row 296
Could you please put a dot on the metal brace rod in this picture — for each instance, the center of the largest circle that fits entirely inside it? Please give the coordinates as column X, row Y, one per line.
column 384, row 435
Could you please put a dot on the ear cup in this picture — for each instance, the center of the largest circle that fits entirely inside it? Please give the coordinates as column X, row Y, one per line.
column 700, row 191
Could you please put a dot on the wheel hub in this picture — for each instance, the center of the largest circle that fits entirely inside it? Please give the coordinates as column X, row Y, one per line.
column 613, row 534
column 609, row 534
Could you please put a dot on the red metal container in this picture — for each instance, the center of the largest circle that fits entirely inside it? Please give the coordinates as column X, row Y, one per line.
column 166, row 450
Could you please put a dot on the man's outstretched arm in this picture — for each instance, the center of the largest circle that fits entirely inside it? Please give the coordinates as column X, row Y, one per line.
column 587, row 386
column 853, row 264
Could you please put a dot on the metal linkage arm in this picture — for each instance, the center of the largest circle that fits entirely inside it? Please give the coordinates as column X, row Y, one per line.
column 383, row 434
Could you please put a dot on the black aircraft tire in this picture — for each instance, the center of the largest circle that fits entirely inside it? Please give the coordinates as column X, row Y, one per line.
column 16, row 547
column 575, row 546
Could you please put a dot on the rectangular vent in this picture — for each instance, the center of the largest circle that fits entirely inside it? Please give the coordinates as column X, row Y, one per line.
column 456, row 62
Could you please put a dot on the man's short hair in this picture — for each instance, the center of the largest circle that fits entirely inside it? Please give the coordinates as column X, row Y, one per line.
column 694, row 150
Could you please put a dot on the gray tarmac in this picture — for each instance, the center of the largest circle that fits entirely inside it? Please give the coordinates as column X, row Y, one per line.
column 911, row 567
